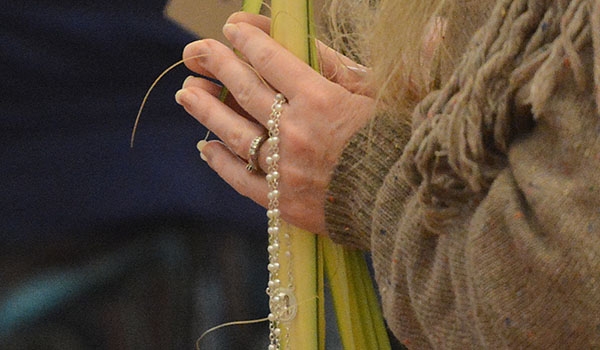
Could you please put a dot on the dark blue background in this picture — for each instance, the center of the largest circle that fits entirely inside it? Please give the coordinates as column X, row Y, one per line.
column 72, row 76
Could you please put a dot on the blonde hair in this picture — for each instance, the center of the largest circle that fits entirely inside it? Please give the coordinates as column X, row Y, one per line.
column 388, row 36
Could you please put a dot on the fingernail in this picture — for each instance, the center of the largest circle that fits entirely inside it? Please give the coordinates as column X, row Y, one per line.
column 200, row 146
column 361, row 71
column 230, row 30
column 184, row 97
column 179, row 97
column 186, row 81
column 198, row 50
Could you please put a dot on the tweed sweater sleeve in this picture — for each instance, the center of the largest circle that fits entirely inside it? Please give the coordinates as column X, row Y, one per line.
column 358, row 176
column 485, row 228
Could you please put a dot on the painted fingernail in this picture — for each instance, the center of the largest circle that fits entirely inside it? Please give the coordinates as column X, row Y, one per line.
column 200, row 146
column 230, row 30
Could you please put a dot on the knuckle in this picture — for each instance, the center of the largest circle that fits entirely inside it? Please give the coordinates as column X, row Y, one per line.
column 245, row 93
column 302, row 143
column 211, row 45
column 209, row 54
column 202, row 48
column 235, row 140
column 264, row 56
column 317, row 99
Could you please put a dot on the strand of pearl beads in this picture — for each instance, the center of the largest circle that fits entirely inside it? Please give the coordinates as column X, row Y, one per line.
column 278, row 300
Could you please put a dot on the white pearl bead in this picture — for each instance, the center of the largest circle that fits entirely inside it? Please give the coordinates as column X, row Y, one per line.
column 277, row 299
column 273, row 213
column 273, row 267
column 274, row 140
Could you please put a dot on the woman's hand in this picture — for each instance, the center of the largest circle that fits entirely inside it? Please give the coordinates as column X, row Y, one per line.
column 318, row 119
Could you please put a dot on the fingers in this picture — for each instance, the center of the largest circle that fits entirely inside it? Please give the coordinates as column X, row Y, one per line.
column 233, row 171
column 259, row 21
column 237, row 132
column 215, row 90
column 280, row 68
column 317, row 108
column 253, row 185
column 334, row 66
column 202, row 83
column 252, row 93
column 342, row 70
column 284, row 71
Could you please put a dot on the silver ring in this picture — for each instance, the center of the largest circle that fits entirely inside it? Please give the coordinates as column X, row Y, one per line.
column 253, row 152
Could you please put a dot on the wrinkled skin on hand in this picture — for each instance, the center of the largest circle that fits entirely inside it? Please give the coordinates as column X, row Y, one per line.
column 322, row 113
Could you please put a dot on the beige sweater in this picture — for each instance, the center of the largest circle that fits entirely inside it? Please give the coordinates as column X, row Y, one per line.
column 484, row 219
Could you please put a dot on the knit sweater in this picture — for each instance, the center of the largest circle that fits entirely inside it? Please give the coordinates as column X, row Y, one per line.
column 483, row 218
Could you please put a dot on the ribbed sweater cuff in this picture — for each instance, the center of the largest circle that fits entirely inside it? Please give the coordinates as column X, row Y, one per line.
column 359, row 174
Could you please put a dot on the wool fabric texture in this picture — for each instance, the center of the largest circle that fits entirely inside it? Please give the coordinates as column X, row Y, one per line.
column 483, row 218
